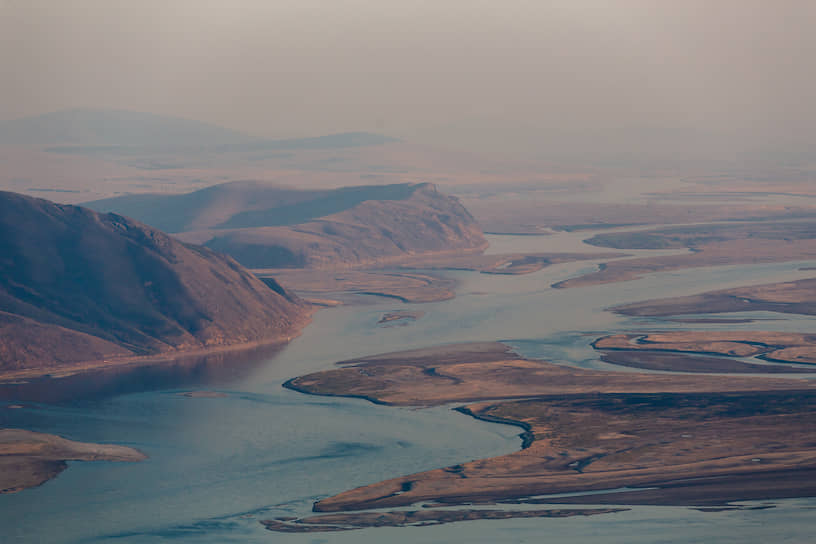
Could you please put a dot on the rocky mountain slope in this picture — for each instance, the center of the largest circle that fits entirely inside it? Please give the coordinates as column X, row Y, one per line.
column 264, row 226
column 76, row 286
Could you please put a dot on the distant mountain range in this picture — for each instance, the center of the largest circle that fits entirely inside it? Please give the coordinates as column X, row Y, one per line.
column 77, row 286
column 90, row 131
column 264, row 226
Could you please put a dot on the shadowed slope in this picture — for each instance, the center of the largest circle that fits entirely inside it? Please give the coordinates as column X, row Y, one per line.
column 76, row 286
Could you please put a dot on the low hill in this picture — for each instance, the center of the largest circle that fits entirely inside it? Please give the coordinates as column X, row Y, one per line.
column 264, row 226
column 111, row 132
column 243, row 204
column 76, row 286
column 114, row 127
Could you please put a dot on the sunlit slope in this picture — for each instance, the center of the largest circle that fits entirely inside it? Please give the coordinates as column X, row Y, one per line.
column 266, row 226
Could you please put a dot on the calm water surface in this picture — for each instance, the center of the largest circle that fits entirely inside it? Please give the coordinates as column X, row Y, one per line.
column 217, row 465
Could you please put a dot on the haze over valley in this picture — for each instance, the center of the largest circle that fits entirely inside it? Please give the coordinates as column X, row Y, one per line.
column 455, row 272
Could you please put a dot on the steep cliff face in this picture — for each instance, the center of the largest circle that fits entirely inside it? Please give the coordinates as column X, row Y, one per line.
column 269, row 227
column 76, row 285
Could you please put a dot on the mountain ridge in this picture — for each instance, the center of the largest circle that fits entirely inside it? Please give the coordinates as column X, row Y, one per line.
column 76, row 285
column 264, row 226
column 95, row 131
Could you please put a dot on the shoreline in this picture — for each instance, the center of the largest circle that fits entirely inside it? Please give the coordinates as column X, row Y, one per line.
column 30, row 459
column 15, row 377
column 527, row 437
column 774, row 347
column 349, row 521
column 716, row 482
column 289, row 384
column 578, row 438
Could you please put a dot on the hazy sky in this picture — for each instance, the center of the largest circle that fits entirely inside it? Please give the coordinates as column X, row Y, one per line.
column 568, row 75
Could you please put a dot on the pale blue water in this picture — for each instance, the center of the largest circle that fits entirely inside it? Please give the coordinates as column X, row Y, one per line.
column 217, row 465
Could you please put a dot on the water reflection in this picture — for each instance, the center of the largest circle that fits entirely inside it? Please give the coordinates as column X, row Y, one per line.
column 216, row 369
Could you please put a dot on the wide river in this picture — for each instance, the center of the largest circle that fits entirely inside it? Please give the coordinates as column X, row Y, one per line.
column 218, row 465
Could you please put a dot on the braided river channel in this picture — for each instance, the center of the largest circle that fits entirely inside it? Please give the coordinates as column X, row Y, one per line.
column 253, row 450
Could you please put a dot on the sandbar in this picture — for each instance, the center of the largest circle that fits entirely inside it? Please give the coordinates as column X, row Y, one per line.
column 348, row 521
column 587, row 430
column 29, row 459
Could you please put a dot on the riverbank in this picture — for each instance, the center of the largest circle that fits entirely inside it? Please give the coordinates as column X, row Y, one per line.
column 781, row 347
column 349, row 521
column 29, row 459
column 11, row 377
column 746, row 243
column 588, row 430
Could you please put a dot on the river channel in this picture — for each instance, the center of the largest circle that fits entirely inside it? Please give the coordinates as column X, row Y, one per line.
column 218, row 465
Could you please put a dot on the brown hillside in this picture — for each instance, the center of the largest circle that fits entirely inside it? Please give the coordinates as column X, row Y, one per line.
column 76, row 285
column 263, row 226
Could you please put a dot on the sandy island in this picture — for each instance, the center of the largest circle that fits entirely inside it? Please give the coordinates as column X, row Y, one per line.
column 709, row 245
column 399, row 317
column 203, row 394
column 790, row 297
column 691, row 439
column 782, row 347
column 29, row 459
column 348, row 521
